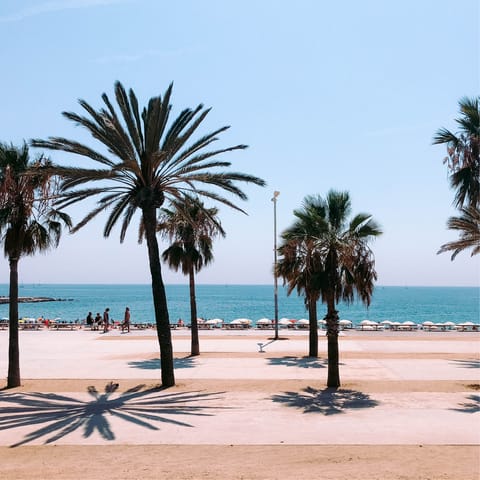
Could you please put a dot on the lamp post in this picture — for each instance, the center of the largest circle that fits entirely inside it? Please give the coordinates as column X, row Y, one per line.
column 275, row 282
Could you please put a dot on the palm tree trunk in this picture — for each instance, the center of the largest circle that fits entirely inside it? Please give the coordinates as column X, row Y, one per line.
column 159, row 299
column 195, row 348
column 13, row 379
column 313, row 328
column 333, row 379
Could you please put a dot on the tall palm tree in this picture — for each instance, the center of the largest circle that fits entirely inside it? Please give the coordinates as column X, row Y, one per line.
column 463, row 148
column 192, row 228
column 28, row 224
column 341, row 265
column 149, row 159
column 468, row 225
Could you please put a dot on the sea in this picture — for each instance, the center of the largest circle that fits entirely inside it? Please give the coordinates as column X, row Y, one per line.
column 229, row 302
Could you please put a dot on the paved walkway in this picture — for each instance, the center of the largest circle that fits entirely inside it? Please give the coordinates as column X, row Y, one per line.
column 113, row 414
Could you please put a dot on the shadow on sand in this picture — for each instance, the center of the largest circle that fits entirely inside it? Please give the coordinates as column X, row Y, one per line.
column 154, row 363
column 302, row 362
column 329, row 401
column 60, row 415
column 469, row 407
column 467, row 363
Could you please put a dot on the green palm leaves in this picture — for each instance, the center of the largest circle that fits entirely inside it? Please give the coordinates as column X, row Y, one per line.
column 151, row 159
column 325, row 255
column 28, row 222
column 463, row 161
column 325, row 251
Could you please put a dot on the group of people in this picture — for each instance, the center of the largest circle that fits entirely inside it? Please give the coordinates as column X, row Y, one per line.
column 99, row 321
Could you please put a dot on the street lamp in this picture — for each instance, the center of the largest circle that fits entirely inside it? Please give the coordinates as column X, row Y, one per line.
column 275, row 282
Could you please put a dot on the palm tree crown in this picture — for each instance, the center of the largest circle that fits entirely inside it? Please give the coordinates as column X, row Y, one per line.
column 463, row 150
column 191, row 227
column 151, row 159
column 28, row 223
column 337, row 247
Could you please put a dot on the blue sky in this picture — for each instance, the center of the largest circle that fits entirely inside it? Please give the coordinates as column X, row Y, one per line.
column 343, row 95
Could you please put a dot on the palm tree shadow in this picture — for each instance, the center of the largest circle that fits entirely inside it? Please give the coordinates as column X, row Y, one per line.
column 329, row 401
column 467, row 363
column 301, row 362
column 469, row 407
column 60, row 415
column 154, row 363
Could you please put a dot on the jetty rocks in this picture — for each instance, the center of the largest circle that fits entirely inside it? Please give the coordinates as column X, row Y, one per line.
column 4, row 300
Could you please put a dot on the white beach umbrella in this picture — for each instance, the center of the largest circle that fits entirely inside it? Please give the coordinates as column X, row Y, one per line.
column 427, row 323
column 264, row 321
column 409, row 323
column 285, row 321
column 246, row 321
column 322, row 321
column 345, row 322
column 237, row 321
column 386, row 322
column 212, row 321
column 367, row 322
column 303, row 321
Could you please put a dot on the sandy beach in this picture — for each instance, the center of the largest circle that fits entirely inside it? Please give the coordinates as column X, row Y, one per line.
column 90, row 407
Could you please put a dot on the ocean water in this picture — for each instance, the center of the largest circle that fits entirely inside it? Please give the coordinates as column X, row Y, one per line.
column 418, row 304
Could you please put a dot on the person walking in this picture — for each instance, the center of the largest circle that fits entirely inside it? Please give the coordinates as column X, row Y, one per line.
column 126, row 321
column 106, row 320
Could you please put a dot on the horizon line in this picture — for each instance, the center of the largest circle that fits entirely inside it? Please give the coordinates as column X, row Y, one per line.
column 22, row 284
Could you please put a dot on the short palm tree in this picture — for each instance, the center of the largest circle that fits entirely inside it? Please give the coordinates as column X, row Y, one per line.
column 468, row 225
column 191, row 227
column 463, row 149
column 149, row 160
column 28, row 224
column 340, row 263
column 300, row 265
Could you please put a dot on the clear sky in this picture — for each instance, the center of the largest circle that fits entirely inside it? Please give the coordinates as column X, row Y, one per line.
column 344, row 95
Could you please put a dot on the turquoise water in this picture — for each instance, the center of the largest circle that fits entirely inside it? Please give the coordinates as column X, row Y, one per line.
column 437, row 304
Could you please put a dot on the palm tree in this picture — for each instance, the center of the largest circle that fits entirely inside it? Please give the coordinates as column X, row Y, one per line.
column 192, row 228
column 463, row 162
column 300, row 266
column 28, row 224
column 334, row 260
column 468, row 224
column 149, row 160
column 463, row 148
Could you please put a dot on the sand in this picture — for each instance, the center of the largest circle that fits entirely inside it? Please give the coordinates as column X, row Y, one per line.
column 89, row 407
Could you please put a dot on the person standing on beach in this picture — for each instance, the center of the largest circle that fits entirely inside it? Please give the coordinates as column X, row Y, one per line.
column 106, row 320
column 89, row 319
column 126, row 321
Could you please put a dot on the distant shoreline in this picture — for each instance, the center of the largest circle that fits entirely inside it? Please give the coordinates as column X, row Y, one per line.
column 4, row 300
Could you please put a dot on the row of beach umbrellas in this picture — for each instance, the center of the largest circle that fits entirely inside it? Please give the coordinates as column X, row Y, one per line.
column 343, row 322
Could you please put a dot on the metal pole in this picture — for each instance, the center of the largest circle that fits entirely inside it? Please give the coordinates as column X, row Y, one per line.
column 275, row 279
